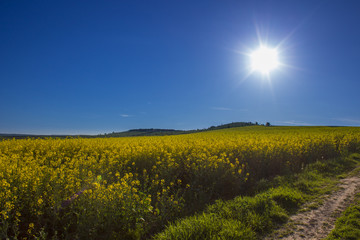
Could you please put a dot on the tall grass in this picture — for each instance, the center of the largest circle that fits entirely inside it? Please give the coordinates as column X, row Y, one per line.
column 252, row 217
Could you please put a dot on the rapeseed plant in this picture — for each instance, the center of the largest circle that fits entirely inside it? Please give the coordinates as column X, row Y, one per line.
column 132, row 187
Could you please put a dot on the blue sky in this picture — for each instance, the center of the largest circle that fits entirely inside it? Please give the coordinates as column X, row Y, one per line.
column 71, row 67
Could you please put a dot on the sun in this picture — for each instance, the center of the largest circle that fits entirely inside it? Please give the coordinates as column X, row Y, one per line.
column 264, row 60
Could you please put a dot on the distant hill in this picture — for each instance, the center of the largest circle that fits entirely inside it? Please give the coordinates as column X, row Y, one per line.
column 145, row 132
column 232, row 125
column 134, row 132
column 163, row 132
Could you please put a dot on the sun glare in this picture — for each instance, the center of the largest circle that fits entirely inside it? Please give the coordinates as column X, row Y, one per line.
column 264, row 60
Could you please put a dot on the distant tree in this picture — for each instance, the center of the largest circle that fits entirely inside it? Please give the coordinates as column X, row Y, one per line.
column 268, row 124
column 256, row 123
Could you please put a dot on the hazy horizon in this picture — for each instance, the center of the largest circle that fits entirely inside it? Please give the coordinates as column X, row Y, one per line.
column 75, row 132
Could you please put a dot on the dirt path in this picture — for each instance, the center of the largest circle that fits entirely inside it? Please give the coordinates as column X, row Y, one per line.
column 318, row 223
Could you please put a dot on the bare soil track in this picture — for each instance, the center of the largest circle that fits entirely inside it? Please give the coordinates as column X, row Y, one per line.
column 318, row 223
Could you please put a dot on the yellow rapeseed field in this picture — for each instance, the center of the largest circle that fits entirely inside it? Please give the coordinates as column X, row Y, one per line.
column 129, row 188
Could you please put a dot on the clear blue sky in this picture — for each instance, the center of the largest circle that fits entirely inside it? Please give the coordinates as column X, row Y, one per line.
column 75, row 67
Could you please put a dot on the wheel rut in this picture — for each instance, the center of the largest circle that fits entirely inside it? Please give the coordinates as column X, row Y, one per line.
column 318, row 223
